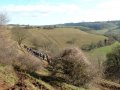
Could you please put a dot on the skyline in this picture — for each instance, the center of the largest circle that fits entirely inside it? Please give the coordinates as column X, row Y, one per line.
column 47, row 12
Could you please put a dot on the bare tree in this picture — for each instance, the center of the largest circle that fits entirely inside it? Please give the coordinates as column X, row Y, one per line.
column 19, row 34
column 3, row 18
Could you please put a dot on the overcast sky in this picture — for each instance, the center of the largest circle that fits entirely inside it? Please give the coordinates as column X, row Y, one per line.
column 44, row 12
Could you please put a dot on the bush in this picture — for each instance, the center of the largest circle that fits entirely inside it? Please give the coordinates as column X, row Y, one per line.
column 73, row 65
column 72, row 41
column 27, row 63
column 45, row 45
column 9, row 55
column 89, row 47
column 112, row 63
column 7, row 51
column 19, row 34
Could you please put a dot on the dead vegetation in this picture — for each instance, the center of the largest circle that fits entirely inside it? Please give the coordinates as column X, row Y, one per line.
column 27, row 82
column 73, row 66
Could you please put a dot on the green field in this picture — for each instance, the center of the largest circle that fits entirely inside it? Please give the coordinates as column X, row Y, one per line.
column 99, row 32
column 101, row 52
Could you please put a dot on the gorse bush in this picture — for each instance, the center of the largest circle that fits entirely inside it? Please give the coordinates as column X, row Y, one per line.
column 73, row 65
column 112, row 63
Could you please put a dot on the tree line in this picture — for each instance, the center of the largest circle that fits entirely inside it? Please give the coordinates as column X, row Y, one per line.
column 101, row 43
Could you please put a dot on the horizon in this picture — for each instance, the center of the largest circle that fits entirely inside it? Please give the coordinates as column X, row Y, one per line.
column 46, row 12
column 64, row 23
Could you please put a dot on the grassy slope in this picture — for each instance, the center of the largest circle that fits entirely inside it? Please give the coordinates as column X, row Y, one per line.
column 7, row 76
column 60, row 36
column 100, row 32
column 100, row 53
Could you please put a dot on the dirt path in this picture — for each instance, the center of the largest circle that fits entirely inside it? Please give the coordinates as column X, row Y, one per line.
column 21, row 84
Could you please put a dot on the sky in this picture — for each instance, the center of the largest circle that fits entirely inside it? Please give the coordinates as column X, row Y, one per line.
column 48, row 12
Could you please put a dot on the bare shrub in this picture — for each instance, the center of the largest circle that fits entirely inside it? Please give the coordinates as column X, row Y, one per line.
column 27, row 63
column 7, row 52
column 3, row 18
column 9, row 55
column 97, row 64
column 97, row 71
column 44, row 45
column 19, row 35
column 73, row 65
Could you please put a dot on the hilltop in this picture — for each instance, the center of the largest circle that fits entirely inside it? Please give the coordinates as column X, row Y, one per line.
column 98, row 25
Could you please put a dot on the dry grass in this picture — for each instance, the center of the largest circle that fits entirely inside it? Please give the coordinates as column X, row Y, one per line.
column 60, row 36
column 7, row 76
column 7, row 51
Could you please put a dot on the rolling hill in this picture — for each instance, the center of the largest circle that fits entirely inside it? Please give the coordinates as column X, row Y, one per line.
column 95, row 25
column 64, row 37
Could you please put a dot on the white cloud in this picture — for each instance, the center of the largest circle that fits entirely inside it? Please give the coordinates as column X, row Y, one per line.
column 109, row 9
column 41, row 11
column 42, row 8
column 106, row 10
column 60, row 13
column 87, row 1
column 110, row 4
column 56, row 13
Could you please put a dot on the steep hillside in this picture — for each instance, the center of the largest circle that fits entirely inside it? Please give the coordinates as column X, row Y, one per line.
column 14, row 78
column 7, row 77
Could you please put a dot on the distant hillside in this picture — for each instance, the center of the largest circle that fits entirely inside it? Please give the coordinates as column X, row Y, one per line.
column 95, row 25
column 64, row 37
